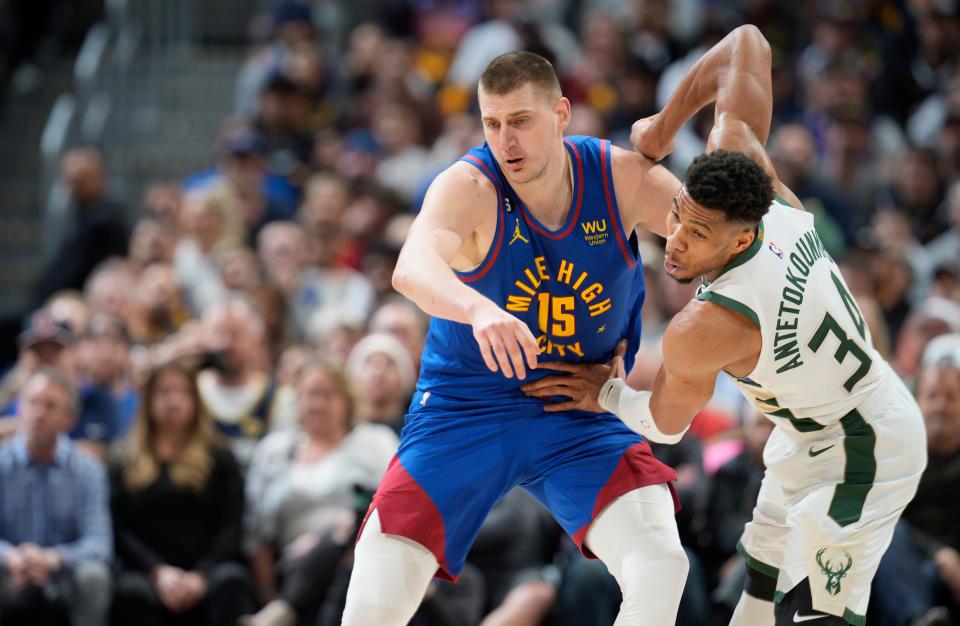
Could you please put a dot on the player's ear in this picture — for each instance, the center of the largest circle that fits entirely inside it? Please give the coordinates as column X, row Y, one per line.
column 744, row 238
column 562, row 111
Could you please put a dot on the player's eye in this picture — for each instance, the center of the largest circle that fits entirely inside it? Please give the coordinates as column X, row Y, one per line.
column 699, row 235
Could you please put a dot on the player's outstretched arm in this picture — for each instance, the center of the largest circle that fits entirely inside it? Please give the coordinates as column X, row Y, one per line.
column 453, row 211
column 736, row 75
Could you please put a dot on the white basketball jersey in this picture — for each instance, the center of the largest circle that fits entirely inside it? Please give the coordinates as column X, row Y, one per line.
column 817, row 361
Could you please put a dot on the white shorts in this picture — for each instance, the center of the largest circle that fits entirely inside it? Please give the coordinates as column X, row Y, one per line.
column 830, row 499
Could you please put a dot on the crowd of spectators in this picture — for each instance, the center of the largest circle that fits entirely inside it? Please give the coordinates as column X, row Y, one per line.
column 213, row 377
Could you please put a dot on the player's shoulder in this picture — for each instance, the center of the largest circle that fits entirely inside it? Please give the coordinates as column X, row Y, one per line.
column 703, row 327
column 463, row 180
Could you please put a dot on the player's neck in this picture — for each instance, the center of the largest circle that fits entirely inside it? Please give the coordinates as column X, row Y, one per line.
column 549, row 197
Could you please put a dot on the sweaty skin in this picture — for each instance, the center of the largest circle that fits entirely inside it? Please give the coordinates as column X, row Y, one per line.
column 703, row 339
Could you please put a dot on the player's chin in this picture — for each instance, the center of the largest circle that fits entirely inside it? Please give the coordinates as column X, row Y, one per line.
column 680, row 278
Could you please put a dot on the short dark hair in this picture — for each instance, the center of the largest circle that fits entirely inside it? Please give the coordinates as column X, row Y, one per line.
column 730, row 182
column 513, row 70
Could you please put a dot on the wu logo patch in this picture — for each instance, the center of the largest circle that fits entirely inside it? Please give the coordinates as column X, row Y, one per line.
column 517, row 235
column 834, row 564
column 595, row 232
column 775, row 249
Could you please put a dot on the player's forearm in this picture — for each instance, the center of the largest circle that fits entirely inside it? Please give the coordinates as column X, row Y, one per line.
column 742, row 54
column 636, row 410
column 428, row 281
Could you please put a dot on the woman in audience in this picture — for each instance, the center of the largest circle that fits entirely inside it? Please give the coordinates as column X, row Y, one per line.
column 302, row 498
column 177, row 502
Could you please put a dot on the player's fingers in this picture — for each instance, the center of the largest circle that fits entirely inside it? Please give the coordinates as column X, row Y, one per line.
column 560, row 366
column 546, row 381
column 503, row 360
column 516, row 357
column 621, row 350
column 529, row 346
column 570, row 405
column 556, row 390
column 487, row 353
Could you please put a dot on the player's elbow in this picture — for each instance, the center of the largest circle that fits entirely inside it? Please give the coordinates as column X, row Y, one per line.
column 751, row 39
column 400, row 279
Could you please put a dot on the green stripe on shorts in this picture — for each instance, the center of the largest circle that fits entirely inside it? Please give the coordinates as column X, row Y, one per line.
column 756, row 564
column 859, row 472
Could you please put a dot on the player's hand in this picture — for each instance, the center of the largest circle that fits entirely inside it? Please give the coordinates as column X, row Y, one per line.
column 646, row 137
column 505, row 342
column 581, row 382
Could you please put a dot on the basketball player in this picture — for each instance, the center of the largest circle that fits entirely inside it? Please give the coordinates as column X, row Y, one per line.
column 523, row 248
column 774, row 312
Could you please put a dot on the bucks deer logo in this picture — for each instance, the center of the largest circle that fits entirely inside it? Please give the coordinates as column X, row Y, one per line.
column 834, row 569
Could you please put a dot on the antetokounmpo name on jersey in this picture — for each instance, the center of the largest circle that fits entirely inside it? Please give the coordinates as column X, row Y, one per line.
column 809, row 249
column 556, row 317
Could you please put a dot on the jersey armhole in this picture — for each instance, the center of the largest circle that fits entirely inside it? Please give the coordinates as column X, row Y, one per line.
column 731, row 304
column 490, row 258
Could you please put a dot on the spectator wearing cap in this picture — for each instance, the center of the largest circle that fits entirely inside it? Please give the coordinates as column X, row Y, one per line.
column 103, row 358
column 918, row 581
column 381, row 371
column 96, row 229
column 55, row 532
column 243, row 175
column 44, row 342
column 48, row 343
column 283, row 111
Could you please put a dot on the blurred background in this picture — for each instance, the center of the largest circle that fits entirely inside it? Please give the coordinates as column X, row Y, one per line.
column 224, row 185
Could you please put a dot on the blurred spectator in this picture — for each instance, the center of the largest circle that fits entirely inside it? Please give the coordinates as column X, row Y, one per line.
column 312, row 292
column 234, row 389
column 55, row 531
column 203, row 223
column 103, row 358
column 177, row 503
column 404, row 162
column 381, row 372
column 152, row 242
column 932, row 318
column 289, row 25
column 510, row 26
column 946, row 247
column 920, row 573
column 160, row 309
column 69, row 308
column 163, row 201
column 283, row 109
column 918, row 191
column 242, row 174
column 96, row 229
column 325, row 201
column 793, row 153
column 401, row 318
column 300, row 494
column 43, row 343
column 111, row 290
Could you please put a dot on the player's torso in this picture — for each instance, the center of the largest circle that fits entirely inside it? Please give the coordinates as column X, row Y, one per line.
column 578, row 288
column 817, row 360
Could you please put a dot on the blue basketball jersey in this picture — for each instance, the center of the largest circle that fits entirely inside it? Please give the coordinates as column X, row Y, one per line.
column 579, row 289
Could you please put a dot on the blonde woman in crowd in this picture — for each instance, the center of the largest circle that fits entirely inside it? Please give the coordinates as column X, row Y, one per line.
column 177, row 502
column 301, row 502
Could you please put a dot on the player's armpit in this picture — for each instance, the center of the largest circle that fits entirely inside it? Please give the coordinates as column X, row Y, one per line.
column 644, row 189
